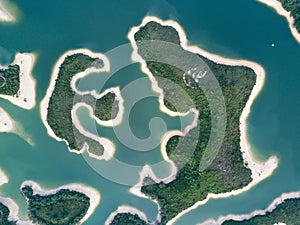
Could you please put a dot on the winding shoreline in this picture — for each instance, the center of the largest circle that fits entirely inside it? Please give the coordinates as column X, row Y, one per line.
column 90, row 192
column 26, row 97
column 259, row 170
column 109, row 147
column 45, row 102
column 270, row 208
column 277, row 6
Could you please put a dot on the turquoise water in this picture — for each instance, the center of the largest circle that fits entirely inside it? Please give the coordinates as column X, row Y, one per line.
column 237, row 29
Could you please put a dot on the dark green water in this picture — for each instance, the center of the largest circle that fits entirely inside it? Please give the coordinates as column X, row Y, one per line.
column 237, row 29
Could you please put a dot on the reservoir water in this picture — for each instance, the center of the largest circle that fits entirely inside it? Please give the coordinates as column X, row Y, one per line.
column 237, row 29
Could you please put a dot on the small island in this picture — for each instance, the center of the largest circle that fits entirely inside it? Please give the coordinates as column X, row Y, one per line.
column 63, row 98
column 70, row 204
column 16, row 82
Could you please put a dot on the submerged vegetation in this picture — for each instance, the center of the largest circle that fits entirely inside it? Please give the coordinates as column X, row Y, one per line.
column 287, row 212
column 227, row 171
column 4, row 213
column 62, row 208
column 63, row 98
column 127, row 219
column 10, row 80
column 293, row 6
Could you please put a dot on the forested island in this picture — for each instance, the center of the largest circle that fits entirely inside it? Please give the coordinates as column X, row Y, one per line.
column 287, row 212
column 65, row 207
column 227, row 172
column 4, row 213
column 63, row 98
column 10, row 80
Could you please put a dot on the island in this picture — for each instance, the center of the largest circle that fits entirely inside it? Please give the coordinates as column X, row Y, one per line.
column 70, row 204
column 290, row 10
column 58, row 108
column 234, row 169
column 17, row 84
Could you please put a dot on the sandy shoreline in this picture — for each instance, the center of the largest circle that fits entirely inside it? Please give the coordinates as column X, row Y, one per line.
column 277, row 6
column 3, row 178
column 270, row 208
column 125, row 209
column 27, row 94
column 259, row 170
column 5, row 15
column 46, row 99
column 92, row 193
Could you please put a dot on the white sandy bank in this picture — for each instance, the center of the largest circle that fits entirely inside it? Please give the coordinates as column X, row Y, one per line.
column 260, row 170
column 25, row 98
column 8, row 125
column 271, row 207
column 45, row 102
column 277, row 6
column 3, row 178
column 5, row 15
column 92, row 193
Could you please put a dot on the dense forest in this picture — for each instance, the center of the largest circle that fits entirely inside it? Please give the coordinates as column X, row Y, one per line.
column 288, row 212
column 227, row 171
column 63, row 98
column 10, row 80
column 293, row 6
column 4, row 213
column 63, row 208
column 107, row 107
